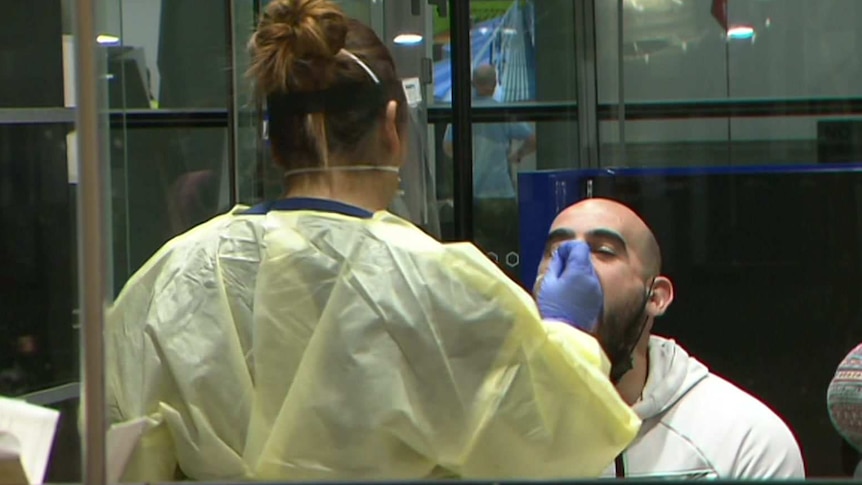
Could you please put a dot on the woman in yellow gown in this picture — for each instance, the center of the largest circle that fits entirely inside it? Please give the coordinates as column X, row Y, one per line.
column 321, row 337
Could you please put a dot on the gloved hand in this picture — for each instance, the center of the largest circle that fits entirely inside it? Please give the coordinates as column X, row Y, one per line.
column 570, row 290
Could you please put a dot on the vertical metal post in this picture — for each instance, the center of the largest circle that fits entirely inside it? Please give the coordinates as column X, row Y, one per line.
column 621, row 102
column 261, row 145
column 92, row 247
column 232, row 106
column 462, row 129
column 585, row 48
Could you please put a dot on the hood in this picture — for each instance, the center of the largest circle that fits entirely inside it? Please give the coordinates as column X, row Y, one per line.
column 672, row 373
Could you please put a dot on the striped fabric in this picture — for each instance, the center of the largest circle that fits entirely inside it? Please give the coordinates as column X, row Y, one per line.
column 844, row 398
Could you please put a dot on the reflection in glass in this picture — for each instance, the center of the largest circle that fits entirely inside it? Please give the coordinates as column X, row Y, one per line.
column 680, row 50
column 165, row 181
column 31, row 74
column 779, row 141
column 719, row 231
column 36, row 260
column 170, row 55
column 249, row 151
column 523, row 51
column 530, row 44
column 666, row 143
column 500, row 151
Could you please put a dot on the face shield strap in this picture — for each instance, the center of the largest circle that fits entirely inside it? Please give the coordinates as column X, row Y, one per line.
column 337, row 99
column 624, row 364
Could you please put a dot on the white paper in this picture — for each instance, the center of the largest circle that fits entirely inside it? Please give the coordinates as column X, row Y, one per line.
column 69, row 71
column 72, row 156
column 122, row 439
column 412, row 91
column 33, row 428
column 11, row 470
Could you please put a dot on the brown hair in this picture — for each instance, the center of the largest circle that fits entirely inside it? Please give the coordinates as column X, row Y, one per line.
column 297, row 49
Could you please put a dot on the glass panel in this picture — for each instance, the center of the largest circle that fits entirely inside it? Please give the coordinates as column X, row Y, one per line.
column 662, row 39
column 38, row 190
column 395, row 21
column 165, row 181
column 361, row 10
column 777, row 141
column 250, row 151
column 530, row 43
column 444, row 173
column 522, row 52
column 31, row 33
column 665, row 143
column 787, row 49
column 500, row 151
column 258, row 177
column 37, row 259
column 738, row 129
column 172, row 55
column 39, row 344
column 716, row 233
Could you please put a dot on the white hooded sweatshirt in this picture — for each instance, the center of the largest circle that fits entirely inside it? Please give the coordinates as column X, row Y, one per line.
column 697, row 425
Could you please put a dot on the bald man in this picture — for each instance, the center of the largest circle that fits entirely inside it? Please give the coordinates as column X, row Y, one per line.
column 695, row 424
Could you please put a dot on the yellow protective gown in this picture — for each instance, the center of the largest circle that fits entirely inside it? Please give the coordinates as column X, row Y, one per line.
column 314, row 345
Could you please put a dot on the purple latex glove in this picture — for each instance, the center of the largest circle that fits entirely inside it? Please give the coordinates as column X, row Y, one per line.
column 570, row 290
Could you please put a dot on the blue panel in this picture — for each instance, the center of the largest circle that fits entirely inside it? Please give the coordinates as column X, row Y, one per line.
column 543, row 194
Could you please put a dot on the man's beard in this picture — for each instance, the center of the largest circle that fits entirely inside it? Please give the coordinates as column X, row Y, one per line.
column 619, row 332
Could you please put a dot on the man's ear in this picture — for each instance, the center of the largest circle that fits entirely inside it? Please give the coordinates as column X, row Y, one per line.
column 661, row 296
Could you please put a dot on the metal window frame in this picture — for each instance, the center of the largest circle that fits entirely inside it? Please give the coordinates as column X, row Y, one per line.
column 587, row 88
column 462, row 121
column 92, row 242
column 233, row 104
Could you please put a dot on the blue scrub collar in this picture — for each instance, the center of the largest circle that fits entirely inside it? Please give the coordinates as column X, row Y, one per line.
column 312, row 204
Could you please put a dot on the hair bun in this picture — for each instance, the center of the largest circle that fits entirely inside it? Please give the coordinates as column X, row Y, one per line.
column 295, row 45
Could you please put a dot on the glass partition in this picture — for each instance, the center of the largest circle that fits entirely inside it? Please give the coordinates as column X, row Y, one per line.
column 751, row 300
column 171, row 144
column 530, row 43
column 756, row 81
column 167, row 169
column 249, row 155
column 726, row 123
column 166, row 65
column 524, row 88
column 39, row 347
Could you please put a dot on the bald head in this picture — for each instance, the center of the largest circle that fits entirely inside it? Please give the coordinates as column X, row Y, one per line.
column 613, row 219
column 485, row 78
column 625, row 256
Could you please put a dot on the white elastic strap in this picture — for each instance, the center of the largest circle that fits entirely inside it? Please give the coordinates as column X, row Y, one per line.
column 362, row 65
column 350, row 168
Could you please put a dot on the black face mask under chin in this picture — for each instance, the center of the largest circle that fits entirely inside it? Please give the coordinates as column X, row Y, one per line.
column 619, row 350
